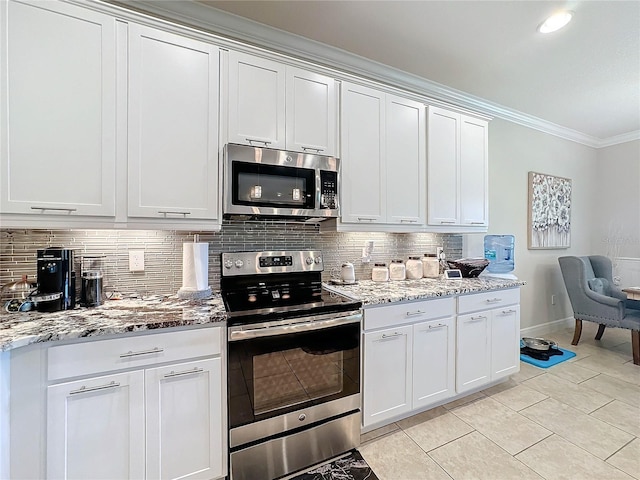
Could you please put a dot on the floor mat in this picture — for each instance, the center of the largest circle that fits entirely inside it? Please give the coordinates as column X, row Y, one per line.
column 553, row 360
column 351, row 467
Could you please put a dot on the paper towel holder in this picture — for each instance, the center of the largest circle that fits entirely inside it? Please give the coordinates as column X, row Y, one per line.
column 195, row 270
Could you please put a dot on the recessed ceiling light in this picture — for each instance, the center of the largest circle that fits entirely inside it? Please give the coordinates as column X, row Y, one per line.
column 555, row 21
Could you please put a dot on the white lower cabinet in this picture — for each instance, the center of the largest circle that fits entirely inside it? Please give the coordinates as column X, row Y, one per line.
column 162, row 422
column 488, row 344
column 183, row 412
column 408, row 357
column 387, row 374
column 95, row 428
column 434, row 345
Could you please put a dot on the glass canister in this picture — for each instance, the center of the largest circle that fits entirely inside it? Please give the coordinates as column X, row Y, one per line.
column 380, row 272
column 414, row 268
column 397, row 270
column 430, row 266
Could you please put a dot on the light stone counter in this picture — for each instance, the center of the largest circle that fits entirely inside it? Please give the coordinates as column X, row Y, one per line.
column 376, row 293
column 114, row 317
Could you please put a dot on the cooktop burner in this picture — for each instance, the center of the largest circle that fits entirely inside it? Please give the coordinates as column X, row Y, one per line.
column 256, row 286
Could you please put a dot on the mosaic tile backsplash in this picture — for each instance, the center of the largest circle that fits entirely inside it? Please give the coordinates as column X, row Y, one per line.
column 163, row 250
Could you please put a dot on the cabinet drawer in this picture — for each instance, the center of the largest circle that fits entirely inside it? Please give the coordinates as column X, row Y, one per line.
column 408, row 312
column 487, row 300
column 93, row 357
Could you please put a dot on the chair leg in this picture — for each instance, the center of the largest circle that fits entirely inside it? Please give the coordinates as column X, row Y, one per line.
column 577, row 332
column 601, row 328
column 635, row 346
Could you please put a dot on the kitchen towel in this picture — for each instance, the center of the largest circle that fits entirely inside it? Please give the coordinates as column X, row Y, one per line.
column 195, row 270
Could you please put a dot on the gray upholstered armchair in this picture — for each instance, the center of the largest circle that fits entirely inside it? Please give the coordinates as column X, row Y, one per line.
column 595, row 298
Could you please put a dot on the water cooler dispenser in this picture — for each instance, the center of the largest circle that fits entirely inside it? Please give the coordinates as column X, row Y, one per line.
column 499, row 250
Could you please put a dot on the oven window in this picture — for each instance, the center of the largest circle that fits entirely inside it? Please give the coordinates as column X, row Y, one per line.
column 270, row 376
column 271, row 185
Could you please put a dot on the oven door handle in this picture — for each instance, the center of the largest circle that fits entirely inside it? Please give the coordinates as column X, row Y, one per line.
column 270, row 331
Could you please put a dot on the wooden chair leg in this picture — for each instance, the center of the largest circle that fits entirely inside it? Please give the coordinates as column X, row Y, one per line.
column 635, row 346
column 601, row 328
column 577, row 332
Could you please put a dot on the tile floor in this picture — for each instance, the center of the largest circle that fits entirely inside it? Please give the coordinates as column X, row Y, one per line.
column 578, row 420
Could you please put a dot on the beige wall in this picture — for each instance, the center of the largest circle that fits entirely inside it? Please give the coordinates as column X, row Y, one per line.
column 514, row 151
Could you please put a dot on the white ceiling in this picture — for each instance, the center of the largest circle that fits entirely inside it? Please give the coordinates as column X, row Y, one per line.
column 585, row 77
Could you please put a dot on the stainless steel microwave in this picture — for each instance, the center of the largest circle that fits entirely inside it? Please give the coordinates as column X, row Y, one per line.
column 266, row 182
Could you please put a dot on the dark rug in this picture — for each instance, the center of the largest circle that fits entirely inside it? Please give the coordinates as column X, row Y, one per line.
column 351, row 467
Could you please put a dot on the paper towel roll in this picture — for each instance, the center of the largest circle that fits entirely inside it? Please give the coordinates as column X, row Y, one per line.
column 195, row 266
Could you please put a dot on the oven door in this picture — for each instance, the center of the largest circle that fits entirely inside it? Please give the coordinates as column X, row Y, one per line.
column 311, row 364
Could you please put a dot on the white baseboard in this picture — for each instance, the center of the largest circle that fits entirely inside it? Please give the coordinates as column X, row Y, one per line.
column 549, row 327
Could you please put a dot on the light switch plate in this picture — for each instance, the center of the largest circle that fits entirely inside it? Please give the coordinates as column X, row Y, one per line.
column 136, row 260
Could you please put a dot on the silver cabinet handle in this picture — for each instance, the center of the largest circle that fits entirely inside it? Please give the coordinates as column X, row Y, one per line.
column 186, row 372
column 479, row 317
column 317, row 150
column 447, row 222
column 365, row 219
column 407, row 220
column 395, row 334
column 508, row 312
column 57, row 209
column 252, row 141
column 167, row 212
column 494, row 300
column 477, row 223
column 84, row 389
column 440, row 325
column 142, row 352
column 417, row 312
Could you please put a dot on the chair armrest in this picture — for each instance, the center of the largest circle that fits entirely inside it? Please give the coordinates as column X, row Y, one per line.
column 595, row 304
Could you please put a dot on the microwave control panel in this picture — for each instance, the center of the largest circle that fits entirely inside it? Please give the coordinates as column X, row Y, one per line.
column 328, row 190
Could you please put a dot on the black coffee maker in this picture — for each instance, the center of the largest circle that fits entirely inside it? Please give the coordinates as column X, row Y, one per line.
column 56, row 280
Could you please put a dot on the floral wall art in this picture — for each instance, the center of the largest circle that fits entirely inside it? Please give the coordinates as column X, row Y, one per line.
column 549, row 211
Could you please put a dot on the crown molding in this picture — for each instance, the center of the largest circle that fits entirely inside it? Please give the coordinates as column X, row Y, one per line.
column 197, row 15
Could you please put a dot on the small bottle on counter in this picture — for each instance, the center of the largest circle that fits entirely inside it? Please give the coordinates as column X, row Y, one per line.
column 430, row 266
column 380, row 272
column 397, row 270
column 414, row 268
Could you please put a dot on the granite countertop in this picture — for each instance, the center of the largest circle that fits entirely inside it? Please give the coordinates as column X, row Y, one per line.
column 376, row 293
column 113, row 317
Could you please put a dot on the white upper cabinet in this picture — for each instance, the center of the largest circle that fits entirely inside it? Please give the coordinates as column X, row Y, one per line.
column 405, row 161
column 442, row 175
column 277, row 106
column 363, row 190
column 58, row 110
column 457, row 169
column 383, row 158
column 173, row 126
column 474, row 171
column 256, row 101
column 311, row 112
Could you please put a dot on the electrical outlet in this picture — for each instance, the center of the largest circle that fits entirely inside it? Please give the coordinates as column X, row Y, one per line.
column 553, row 299
column 136, row 260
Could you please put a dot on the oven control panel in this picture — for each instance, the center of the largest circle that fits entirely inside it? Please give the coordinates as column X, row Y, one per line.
column 258, row 263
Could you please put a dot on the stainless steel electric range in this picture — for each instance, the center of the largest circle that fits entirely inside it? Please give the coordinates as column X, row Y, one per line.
column 293, row 364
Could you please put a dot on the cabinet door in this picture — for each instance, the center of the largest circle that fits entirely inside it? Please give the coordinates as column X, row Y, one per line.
column 473, row 354
column 95, row 428
column 505, row 341
column 363, row 190
column 185, row 421
column 442, row 166
column 58, row 110
column 405, row 161
column 474, row 204
column 387, row 374
column 433, row 361
column 311, row 112
column 173, row 126
column 256, row 101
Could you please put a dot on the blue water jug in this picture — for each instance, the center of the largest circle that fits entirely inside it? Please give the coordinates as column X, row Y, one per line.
column 499, row 250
